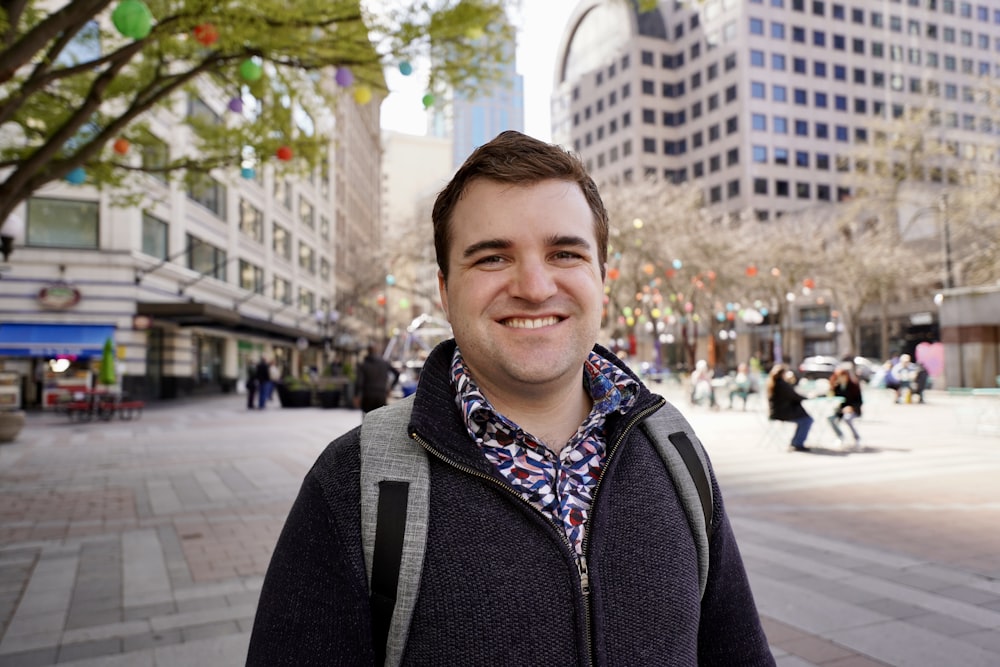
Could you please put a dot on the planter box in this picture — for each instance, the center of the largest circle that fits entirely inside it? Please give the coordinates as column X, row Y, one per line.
column 328, row 398
column 295, row 398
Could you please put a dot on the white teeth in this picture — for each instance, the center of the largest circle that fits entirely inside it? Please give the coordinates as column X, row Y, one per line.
column 524, row 323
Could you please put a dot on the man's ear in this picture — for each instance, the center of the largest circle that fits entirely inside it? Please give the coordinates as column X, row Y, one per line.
column 443, row 293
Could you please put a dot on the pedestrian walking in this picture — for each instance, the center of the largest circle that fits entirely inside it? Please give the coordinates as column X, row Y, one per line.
column 252, row 385
column 264, row 384
column 554, row 532
column 375, row 379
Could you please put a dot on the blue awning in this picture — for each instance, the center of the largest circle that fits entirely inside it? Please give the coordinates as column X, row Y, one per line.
column 54, row 340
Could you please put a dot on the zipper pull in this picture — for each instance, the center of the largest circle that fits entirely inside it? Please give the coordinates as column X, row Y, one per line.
column 581, row 566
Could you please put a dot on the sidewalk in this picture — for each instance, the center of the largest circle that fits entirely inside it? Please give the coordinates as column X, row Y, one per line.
column 144, row 543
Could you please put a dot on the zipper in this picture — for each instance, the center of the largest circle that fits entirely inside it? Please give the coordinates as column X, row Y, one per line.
column 590, row 515
column 583, row 569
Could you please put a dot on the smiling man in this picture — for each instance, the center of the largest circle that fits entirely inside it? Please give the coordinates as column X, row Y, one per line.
column 553, row 533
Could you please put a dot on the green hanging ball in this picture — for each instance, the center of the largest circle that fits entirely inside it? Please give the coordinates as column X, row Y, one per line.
column 132, row 18
column 250, row 70
column 428, row 101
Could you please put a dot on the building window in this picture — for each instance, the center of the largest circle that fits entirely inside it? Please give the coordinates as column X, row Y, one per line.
column 324, row 227
column 760, row 186
column 324, row 268
column 758, row 121
column 154, row 236
column 155, row 157
column 307, row 257
column 282, row 290
column 251, row 221
column 205, row 258
column 62, row 223
column 251, row 277
column 780, row 125
column 802, row 159
column 283, row 192
column 733, row 189
column 648, row 145
column 307, row 301
column 781, row 156
column 823, row 161
column 760, row 154
column 282, row 242
column 208, row 192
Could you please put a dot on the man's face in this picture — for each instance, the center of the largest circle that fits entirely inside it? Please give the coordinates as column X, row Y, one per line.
column 524, row 293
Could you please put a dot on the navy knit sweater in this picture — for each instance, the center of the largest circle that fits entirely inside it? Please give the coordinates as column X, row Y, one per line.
column 500, row 584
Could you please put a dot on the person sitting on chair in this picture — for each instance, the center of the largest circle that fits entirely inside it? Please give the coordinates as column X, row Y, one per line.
column 741, row 386
column 786, row 404
column 843, row 384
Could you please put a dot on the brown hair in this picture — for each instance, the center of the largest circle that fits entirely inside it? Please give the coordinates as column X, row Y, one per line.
column 516, row 158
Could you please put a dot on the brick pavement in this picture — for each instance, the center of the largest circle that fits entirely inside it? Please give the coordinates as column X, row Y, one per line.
column 145, row 543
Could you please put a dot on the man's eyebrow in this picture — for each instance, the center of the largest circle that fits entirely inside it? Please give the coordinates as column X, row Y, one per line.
column 568, row 240
column 488, row 244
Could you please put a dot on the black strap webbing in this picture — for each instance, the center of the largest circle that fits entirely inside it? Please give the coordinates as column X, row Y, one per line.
column 386, row 560
column 694, row 465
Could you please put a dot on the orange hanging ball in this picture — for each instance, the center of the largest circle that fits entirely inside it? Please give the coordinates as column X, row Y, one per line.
column 121, row 146
column 284, row 153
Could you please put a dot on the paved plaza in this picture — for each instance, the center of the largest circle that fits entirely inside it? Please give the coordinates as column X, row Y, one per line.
column 144, row 543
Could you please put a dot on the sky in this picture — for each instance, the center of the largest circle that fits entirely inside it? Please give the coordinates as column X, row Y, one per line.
column 542, row 28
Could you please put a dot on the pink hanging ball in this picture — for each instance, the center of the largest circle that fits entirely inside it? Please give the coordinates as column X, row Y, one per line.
column 235, row 105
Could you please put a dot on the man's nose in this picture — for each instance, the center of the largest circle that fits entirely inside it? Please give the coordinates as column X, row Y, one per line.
column 534, row 280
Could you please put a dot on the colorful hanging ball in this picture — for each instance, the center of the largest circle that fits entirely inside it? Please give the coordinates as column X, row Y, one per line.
column 428, row 101
column 132, row 18
column 235, row 105
column 344, row 77
column 390, row 280
column 362, row 94
column 248, row 173
column 677, row 264
column 751, row 271
column 284, row 153
column 380, row 299
column 809, row 283
column 250, row 70
column 613, row 274
column 76, row 176
column 474, row 33
column 405, row 68
column 206, row 34
column 121, row 146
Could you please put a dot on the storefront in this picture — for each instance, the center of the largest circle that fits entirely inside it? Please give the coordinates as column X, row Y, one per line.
column 52, row 360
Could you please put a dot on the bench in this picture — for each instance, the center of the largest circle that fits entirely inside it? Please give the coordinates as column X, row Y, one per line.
column 129, row 409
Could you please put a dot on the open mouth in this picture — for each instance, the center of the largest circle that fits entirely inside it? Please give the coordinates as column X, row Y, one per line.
column 530, row 322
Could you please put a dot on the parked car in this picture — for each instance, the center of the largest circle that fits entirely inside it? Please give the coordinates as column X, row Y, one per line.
column 814, row 368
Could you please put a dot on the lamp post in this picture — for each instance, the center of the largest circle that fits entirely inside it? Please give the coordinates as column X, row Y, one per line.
column 12, row 232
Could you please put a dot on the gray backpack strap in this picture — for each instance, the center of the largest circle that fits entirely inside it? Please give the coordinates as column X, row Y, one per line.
column 687, row 464
column 388, row 454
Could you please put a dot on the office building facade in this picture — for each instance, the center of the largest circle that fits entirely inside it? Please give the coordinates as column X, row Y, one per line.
column 763, row 102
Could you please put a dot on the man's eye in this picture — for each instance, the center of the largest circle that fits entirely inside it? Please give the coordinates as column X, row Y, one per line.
column 490, row 259
column 567, row 254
